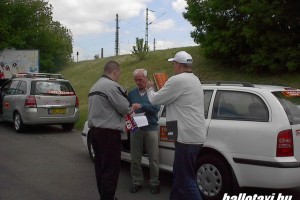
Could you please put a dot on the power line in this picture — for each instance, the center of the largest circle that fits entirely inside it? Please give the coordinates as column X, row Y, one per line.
column 77, row 44
column 157, row 18
column 135, row 26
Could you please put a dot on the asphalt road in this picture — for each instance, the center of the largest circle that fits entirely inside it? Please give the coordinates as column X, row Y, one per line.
column 47, row 163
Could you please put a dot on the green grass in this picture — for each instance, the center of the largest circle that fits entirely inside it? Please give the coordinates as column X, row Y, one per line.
column 84, row 74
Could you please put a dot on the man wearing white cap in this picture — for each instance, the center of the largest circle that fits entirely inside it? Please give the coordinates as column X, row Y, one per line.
column 183, row 96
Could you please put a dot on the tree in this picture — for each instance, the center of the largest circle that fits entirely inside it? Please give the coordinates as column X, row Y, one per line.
column 4, row 23
column 28, row 24
column 141, row 49
column 253, row 35
column 96, row 56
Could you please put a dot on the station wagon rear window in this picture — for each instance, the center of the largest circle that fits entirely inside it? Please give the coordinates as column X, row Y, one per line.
column 290, row 101
column 55, row 88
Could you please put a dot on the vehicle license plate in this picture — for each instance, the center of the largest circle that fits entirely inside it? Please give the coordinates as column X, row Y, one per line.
column 55, row 111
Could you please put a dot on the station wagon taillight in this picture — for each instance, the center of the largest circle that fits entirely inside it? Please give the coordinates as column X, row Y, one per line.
column 285, row 144
column 77, row 102
column 30, row 102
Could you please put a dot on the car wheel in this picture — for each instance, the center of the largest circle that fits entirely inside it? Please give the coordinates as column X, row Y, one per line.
column 68, row 127
column 213, row 177
column 90, row 148
column 18, row 123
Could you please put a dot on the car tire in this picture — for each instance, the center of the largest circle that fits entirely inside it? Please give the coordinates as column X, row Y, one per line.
column 90, row 148
column 68, row 127
column 214, row 177
column 18, row 123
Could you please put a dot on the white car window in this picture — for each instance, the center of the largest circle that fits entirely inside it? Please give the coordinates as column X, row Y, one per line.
column 290, row 101
column 13, row 87
column 243, row 106
column 22, row 88
column 53, row 88
column 207, row 100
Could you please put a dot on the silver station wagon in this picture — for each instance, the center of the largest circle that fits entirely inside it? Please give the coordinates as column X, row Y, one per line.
column 38, row 98
column 253, row 139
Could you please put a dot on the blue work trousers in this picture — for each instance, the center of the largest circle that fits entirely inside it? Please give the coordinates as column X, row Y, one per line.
column 184, row 177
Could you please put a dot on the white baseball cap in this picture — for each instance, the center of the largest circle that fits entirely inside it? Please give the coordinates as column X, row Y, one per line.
column 182, row 57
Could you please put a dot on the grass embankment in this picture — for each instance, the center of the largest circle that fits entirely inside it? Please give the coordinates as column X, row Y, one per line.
column 85, row 73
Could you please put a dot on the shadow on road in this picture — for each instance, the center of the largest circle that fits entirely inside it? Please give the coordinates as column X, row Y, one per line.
column 37, row 129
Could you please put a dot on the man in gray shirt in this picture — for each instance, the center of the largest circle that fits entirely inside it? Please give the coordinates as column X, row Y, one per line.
column 107, row 105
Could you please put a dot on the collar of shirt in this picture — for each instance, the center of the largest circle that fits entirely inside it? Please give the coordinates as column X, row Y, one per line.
column 142, row 92
column 105, row 76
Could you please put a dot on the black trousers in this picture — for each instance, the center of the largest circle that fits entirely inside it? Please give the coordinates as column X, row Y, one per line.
column 107, row 147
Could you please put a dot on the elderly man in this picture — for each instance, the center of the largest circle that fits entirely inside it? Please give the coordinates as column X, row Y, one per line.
column 146, row 136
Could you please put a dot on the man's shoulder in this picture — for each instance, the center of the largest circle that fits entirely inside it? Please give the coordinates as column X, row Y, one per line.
column 108, row 83
column 104, row 84
column 189, row 76
column 180, row 77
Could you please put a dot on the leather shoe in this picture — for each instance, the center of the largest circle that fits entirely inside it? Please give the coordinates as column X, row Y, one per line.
column 134, row 188
column 155, row 189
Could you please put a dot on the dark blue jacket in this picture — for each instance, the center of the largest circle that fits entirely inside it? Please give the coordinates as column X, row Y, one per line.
column 147, row 108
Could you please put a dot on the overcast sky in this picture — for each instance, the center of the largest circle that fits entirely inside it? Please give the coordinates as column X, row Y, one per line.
column 93, row 24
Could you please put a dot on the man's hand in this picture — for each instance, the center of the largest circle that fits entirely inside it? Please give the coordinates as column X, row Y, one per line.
column 136, row 106
column 150, row 84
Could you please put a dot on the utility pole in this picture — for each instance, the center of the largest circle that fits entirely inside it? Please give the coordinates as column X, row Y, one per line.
column 154, row 45
column 147, row 24
column 77, row 55
column 117, row 35
column 146, row 35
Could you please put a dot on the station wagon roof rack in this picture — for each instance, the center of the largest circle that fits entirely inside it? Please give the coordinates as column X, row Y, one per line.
column 244, row 84
column 38, row 75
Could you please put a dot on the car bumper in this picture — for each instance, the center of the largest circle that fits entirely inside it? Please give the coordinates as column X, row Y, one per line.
column 31, row 117
column 267, row 174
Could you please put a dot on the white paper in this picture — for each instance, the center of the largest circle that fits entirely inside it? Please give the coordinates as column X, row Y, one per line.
column 140, row 120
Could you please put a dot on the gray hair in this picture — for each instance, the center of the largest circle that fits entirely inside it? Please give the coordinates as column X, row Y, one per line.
column 187, row 65
column 137, row 71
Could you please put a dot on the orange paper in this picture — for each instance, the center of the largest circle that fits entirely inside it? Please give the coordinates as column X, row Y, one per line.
column 160, row 79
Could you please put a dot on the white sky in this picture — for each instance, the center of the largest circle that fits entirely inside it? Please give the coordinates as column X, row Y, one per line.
column 93, row 24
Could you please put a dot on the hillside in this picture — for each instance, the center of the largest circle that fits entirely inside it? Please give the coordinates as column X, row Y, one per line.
column 84, row 74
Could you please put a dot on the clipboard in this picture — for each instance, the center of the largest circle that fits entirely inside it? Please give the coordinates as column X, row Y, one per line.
column 160, row 79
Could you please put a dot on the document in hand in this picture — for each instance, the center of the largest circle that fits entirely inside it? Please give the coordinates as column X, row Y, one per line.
column 130, row 123
column 141, row 120
column 133, row 122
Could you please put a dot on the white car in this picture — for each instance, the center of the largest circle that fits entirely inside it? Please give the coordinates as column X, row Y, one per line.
column 253, row 139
